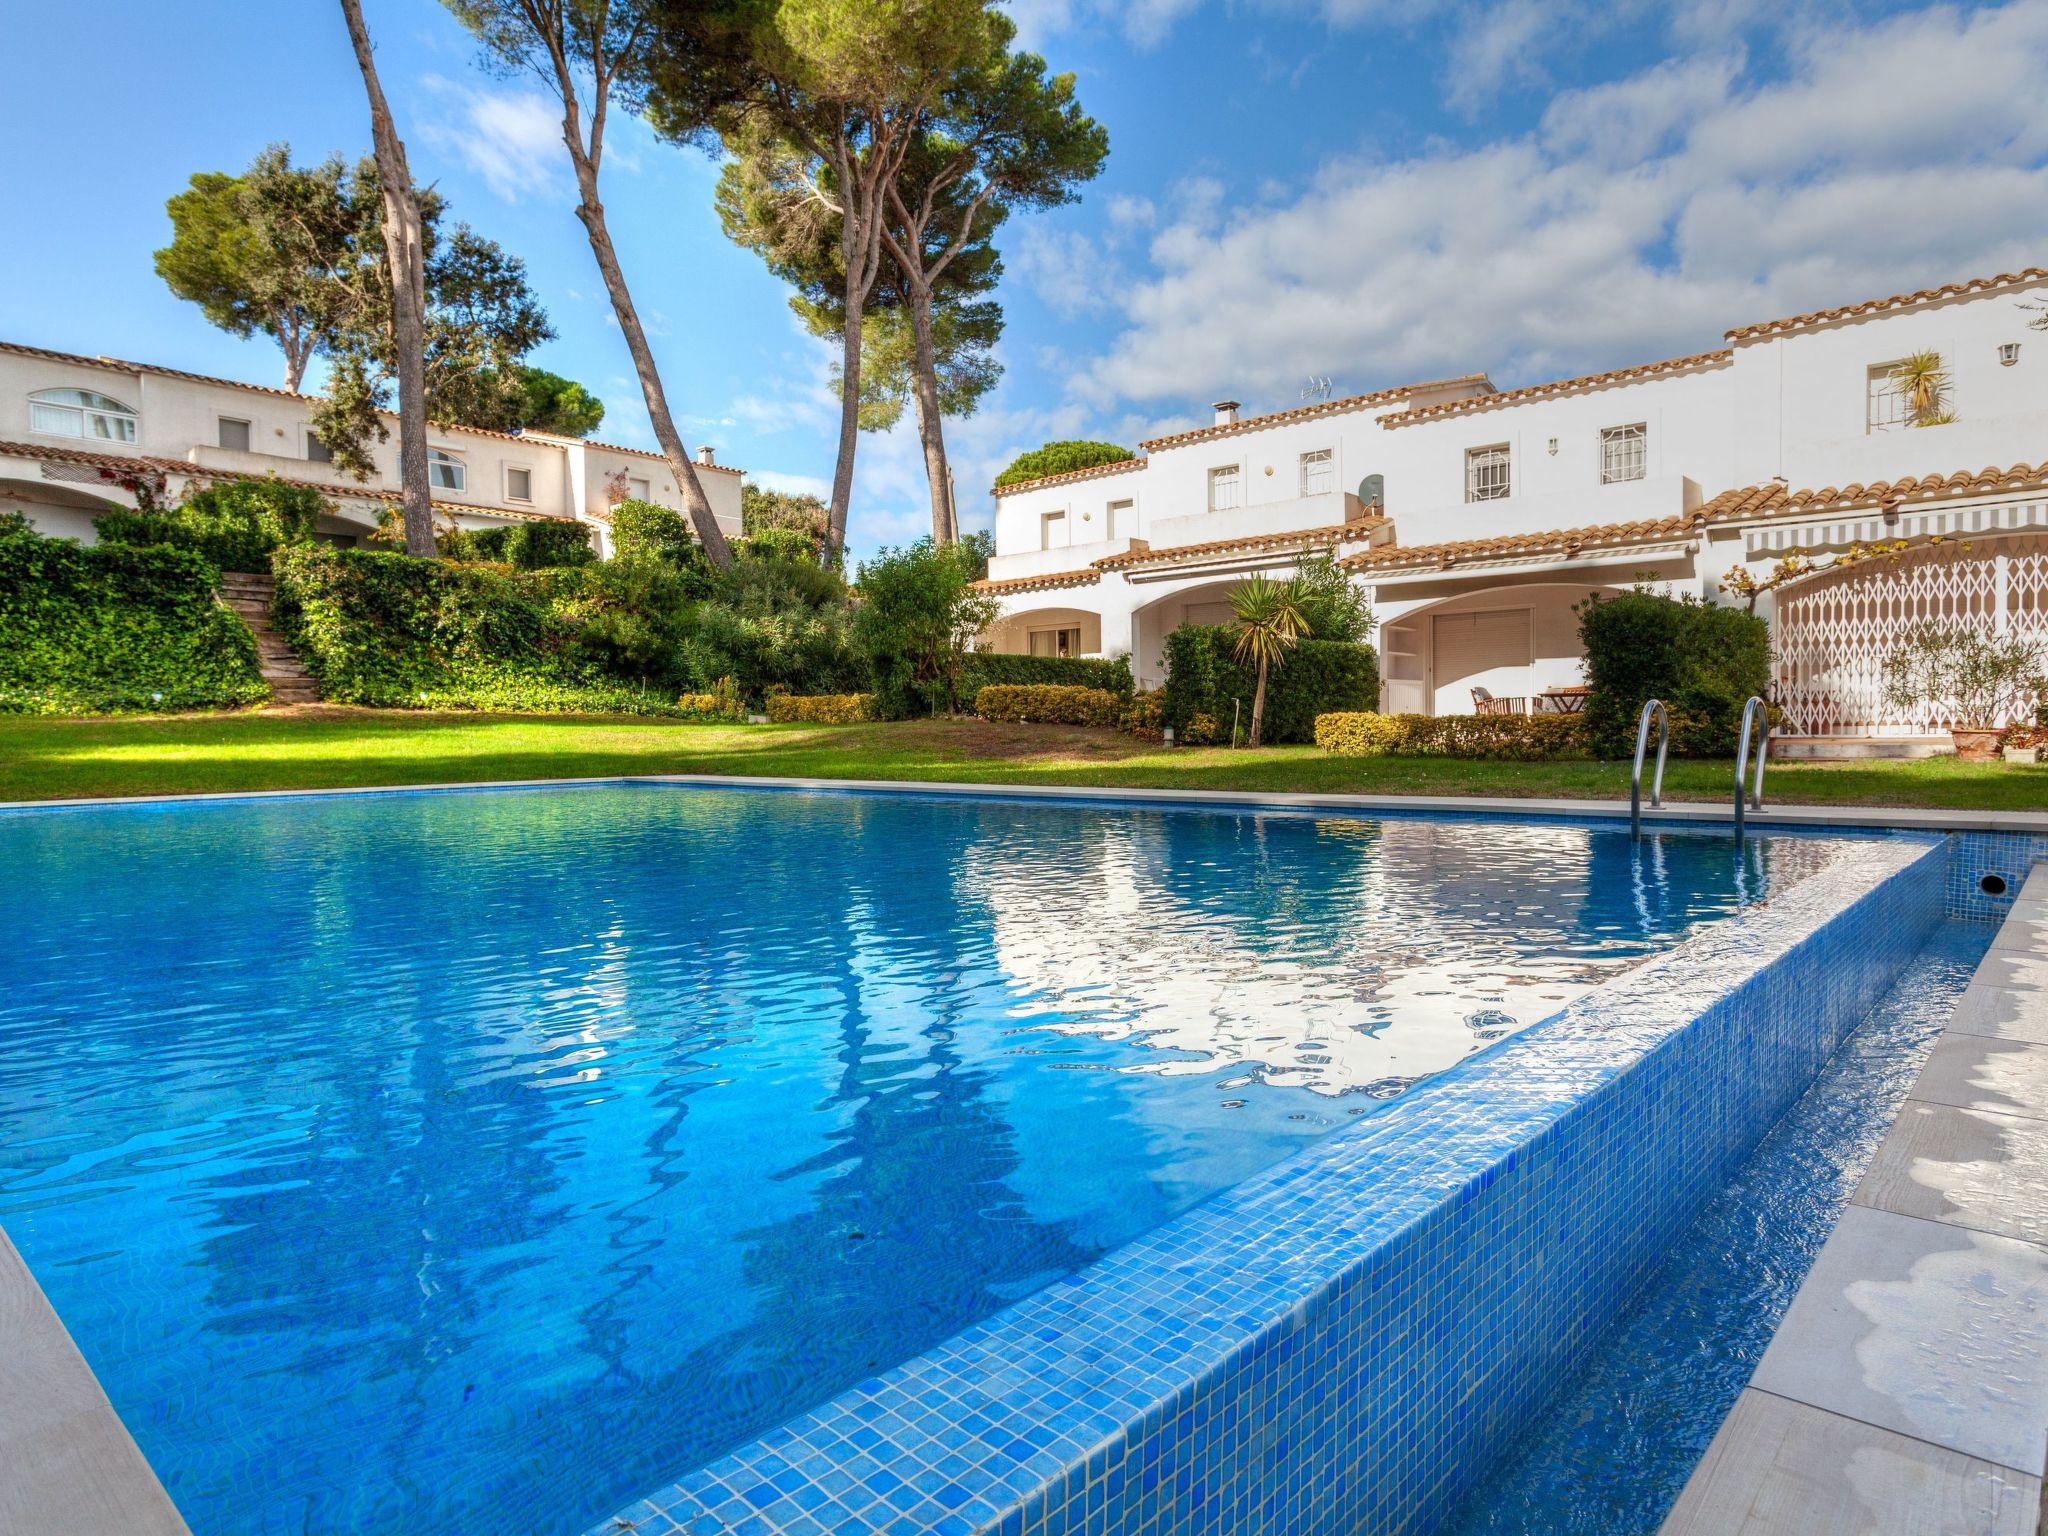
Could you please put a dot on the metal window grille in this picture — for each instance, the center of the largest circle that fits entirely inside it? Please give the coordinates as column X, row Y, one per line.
column 1621, row 453
column 1487, row 473
column 1318, row 472
column 1224, row 488
column 1888, row 411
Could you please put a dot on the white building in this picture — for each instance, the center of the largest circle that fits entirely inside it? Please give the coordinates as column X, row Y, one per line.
column 73, row 428
column 1477, row 518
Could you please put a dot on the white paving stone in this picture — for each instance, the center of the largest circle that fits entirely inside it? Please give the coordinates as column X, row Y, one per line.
column 2008, row 1077
column 1925, row 1329
column 2001, row 1012
column 1967, row 1167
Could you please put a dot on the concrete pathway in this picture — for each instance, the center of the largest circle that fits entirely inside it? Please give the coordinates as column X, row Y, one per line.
column 1906, row 1390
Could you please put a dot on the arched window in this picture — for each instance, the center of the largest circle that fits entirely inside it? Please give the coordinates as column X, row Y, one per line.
column 80, row 413
column 1372, row 490
column 445, row 472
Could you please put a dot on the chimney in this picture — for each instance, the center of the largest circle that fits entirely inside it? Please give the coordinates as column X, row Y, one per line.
column 704, row 454
column 1226, row 413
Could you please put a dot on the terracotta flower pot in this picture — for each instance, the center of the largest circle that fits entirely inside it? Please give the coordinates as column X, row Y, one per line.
column 1976, row 745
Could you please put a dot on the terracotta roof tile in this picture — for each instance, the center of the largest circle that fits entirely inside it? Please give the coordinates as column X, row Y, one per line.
column 1328, row 535
column 1310, row 412
column 1558, row 387
column 1082, row 578
column 1968, row 285
column 532, row 436
column 1093, row 471
column 1564, row 541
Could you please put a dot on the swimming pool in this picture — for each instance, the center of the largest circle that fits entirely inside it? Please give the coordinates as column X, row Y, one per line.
column 412, row 1158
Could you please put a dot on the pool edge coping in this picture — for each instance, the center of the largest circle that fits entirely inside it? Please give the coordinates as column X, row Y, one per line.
column 1687, row 813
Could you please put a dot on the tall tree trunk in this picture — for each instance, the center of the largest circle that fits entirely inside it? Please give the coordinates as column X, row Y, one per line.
column 404, row 250
column 1259, row 703
column 924, row 377
column 591, row 211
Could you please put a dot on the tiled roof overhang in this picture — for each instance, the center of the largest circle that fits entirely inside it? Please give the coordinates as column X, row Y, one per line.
column 1588, row 381
column 1968, row 287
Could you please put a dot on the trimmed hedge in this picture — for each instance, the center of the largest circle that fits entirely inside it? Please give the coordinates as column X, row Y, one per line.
column 535, row 546
column 88, row 631
column 821, row 708
column 989, row 669
column 232, row 524
column 394, row 631
column 1702, row 660
column 1059, row 457
column 1317, row 677
column 1048, row 704
column 1500, row 738
column 1144, row 715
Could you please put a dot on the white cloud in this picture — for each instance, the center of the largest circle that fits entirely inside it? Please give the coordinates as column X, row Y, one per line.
column 511, row 138
column 1641, row 218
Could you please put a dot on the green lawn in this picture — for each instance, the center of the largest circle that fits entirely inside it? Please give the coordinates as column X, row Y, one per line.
column 325, row 748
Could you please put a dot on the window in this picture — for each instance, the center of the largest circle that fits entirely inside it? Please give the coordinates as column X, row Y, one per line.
column 1318, row 472
column 1909, row 392
column 234, row 434
column 1621, row 453
column 1055, row 642
column 1225, row 488
column 317, row 451
column 80, row 413
column 518, row 483
column 445, row 472
column 1052, row 530
column 640, row 488
column 1117, row 520
column 1486, row 473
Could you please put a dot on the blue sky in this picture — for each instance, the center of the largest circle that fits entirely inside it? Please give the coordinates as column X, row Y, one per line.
column 1360, row 189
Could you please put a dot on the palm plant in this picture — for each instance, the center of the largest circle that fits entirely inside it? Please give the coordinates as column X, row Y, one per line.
column 1922, row 383
column 1269, row 620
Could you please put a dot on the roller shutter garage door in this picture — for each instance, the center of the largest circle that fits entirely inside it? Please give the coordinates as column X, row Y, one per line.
column 1488, row 650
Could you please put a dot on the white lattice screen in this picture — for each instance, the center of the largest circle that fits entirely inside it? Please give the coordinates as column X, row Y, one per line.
column 1833, row 631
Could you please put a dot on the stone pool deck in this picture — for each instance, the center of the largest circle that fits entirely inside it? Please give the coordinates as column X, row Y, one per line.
column 66, row 1461
column 1907, row 1387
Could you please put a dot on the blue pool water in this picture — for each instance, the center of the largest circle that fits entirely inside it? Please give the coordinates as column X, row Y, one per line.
column 1614, row 1452
column 403, row 1161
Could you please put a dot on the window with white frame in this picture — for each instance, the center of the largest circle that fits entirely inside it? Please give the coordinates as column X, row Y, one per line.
column 640, row 488
column 1118, row 520
column 1487, row 476
column 1621, row 453
column 317, row 452
column 80, row 413
column 1226, row 488
column 1052, row 530
column 234, row 434
column 1055, row 642
column 445, row 472
column 1318, row 472
column 1907, row 392
column 518, row 483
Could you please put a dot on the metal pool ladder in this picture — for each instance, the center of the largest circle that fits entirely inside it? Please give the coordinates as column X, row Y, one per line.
column 1635, row 788
column 1752, row 712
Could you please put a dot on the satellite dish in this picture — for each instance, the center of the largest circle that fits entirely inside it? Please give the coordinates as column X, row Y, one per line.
column 1372, row 490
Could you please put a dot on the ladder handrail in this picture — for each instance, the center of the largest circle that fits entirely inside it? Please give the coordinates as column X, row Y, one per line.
column 1754, row 710
column 1635, row 786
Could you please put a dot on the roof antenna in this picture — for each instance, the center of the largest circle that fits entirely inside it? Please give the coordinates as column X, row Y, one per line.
column 1317, row 388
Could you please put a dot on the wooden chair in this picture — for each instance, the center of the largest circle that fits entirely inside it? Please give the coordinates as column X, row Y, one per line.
column 1484, row 703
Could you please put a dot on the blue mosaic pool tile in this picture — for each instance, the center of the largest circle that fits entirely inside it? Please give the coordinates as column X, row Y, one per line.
column 2003, row 856
column 1341, row 1343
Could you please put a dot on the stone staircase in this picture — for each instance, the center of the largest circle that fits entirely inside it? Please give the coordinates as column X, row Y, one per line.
column 249, row 593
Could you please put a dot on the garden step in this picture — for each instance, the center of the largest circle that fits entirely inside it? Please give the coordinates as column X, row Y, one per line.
column 248, row 594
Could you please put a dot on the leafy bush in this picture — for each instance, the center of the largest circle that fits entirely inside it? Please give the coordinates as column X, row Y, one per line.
column 535, row 546
column 86, row 631
column 231, row 524
column 780, row 544
column 1331, row 604
column 983, row 669
column 1702, row 660
column 1048, row 704
column 918, row 612
column 775, row 625
column 1058, row 458
column 388, row 629
column 1203, row 679
column 1981, row 679
column 821, row 708
column 1504, row 738
column 1144, row 716
column 707, row 706
column 646, row 529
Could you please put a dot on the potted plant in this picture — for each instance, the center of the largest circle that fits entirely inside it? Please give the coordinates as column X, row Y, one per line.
column 1978, row 680
column 2023, row 743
